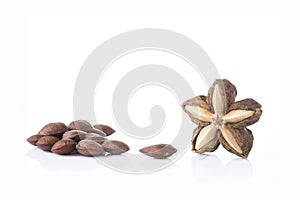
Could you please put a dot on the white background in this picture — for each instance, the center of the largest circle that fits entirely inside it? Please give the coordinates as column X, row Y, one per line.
column 43, row 47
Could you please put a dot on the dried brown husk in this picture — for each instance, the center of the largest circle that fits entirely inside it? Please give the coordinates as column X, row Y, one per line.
column 90, row 148
column 64, row 146
column 106, row 129
column 209, row 147
column 33, row 139
column 198, row 101
column 54, row 129
column 243, row 138
column 115, row 147
column 159, row 151
column 46, row 142
column 226, row 118
column 228, row 91
column 85, row 126
column 75, row 135
column 246, row 104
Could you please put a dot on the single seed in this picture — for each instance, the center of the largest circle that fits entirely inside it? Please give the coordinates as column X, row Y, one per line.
column 85, row 126
column 90, row 148
column 33, row 139
column 64, row 146
column 106, row 129
column 46, row 142
column 159, row 151
column 115, row 147
column 54, row 129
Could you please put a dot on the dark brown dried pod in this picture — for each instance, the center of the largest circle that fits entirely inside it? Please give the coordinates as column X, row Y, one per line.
column 195, row 108
column 115, row 147
column 75, row 135
column 228, row 92
column 224, row 120
column 33, row 139
column 106, row 129
column 46, row 142
column 159, row 151
column 245, row 105
column 54, row 129
column 241, row 141
column 85, row 126
column 211, row 144
column 90, row 148
column 64, row 146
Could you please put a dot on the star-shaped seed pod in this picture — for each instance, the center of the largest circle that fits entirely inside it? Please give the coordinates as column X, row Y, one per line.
column 222, row 120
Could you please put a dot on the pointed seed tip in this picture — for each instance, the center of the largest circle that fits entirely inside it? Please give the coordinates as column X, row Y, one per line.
column 244, row 156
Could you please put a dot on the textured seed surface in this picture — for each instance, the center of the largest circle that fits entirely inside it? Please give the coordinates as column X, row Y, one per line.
column 64, row 146
column 115, row 147
column 91, row 135
column 106, row 129
column 33, row 139
column 75, row 135
column 159, row 151
column 95, row 137
column 84, row 125
column 90, row 148
column 46, row 142
column 54, row 129
column 80, row 125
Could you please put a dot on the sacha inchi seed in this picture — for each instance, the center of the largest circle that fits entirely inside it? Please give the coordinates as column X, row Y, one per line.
column 90, row 148
column 159, row 151
column 46, row 142
column 64, row 146
column 115, row 147
column 79, row 137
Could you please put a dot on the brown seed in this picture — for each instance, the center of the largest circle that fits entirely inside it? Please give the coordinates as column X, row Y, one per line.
column 115, row 147
column 90, row 148
column 159, row 151
column 82, row 125
column 46, row 142
column 33, row 139
column 64, row 146
column 91, row 135
column 85, row 126
column 75, row 135
column 106, row 129
column 54, row 129
column 99, row 132
column 95, row 137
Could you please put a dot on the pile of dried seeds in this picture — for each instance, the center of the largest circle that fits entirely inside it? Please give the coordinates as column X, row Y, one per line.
column 79, row 137
column 83, row 138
